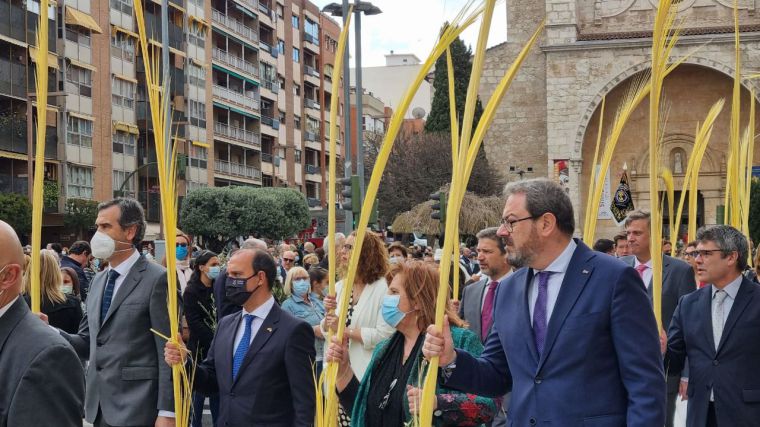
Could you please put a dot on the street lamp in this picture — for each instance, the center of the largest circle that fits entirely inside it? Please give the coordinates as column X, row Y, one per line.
column 368, row 9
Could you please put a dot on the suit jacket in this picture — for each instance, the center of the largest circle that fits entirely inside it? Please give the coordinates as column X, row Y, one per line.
column 471, row 306
column 601, row 365
column 733, row 371
column 274, row 386
column 43, row 382
column 127, row 377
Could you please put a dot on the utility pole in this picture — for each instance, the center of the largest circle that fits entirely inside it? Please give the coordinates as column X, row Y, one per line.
column 347, row 168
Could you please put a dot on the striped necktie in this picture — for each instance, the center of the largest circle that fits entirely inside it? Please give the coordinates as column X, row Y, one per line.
column 108, row 293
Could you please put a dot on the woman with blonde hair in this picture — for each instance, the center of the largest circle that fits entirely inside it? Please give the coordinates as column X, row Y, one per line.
column 64, row 311
column 303, row 303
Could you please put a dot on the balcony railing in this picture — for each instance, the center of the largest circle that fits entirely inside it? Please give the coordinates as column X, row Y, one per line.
column 238, row 134
column 236, row 98
column 311, row 39
column 266, row 47
column 236, row 169
column 310, row 136
column 313, row 202
column 266, row 157
column 235, row 62
column 313, row 169
column 311, row 71
column 271, row 85
column 271, row 122
column 234, row 25
column 310, row 103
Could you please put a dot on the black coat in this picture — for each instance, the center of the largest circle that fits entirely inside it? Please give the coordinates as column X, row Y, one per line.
column 65, row 316
column 200, row 312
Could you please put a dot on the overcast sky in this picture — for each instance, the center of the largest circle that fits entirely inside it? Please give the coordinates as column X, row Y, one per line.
column 411, row 26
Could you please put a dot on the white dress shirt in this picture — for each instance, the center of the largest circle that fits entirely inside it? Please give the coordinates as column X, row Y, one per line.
column 7, row 307
column 123, row 269
column 731, row 290
column 259, row 314
column 559, row 268
column 646, row 276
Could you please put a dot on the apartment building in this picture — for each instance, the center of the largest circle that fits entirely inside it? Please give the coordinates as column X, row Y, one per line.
column 250, row 84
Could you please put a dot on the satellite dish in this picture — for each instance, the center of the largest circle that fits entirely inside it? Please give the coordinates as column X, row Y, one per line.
column 418, row 112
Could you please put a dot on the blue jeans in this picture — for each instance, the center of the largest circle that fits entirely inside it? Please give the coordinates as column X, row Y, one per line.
column 198, row 400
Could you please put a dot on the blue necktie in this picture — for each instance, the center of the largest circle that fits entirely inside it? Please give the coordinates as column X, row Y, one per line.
column 108, row 293
column 242, row 348
column 540, row 317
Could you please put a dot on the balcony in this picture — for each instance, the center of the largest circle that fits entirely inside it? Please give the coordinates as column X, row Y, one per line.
column 237, row 134
column 311, row 39
column 313, row 202
column 311, row 71
column 271, row 85
column 236, row 98
column 235, row 62
column 233, row 25
column 271, row 122
column 313, row 170
column 310, row 136
column 236, row 169
column 269, row 49
column 266, row 158
column 310, row 103
column 253, row 4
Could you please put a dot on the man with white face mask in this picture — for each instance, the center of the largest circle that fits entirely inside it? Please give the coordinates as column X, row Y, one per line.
column 127, row 382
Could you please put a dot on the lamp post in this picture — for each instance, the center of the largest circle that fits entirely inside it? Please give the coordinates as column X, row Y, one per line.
column 368, row 9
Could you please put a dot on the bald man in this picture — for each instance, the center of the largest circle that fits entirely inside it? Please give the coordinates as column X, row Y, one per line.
column 39, row 369
column 223, row 305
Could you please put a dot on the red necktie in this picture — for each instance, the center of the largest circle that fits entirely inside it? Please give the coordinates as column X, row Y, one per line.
column 486, row 315
column 641, row 268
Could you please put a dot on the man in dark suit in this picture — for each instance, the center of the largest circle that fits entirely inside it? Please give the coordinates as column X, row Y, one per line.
column 260, row 361
column 39, row 369
column 79, row 254
column 677, row 281
column 127, row 383
column 223, row 305
column 574, row 336
column 717, row 329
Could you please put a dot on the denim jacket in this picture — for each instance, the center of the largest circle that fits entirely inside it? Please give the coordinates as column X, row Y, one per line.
column 310, row 313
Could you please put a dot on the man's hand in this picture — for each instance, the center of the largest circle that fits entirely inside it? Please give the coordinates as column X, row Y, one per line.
column 663, row 342
column 683, row 387
column 413, row 395
column 174, row 355
column 454, row 304
column 331, row 322
column 439, row 343
column 165, row 422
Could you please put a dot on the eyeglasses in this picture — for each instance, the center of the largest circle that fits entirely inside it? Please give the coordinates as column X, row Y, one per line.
column 288, row 259
column 348, row 247
column 384, row 403
column 690, row 254
column 705, row 252
column 509, row 225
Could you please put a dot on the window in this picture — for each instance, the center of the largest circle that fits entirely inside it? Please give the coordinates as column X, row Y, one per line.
column 123, row 46
column 312, row 125
column 328, row 72
column 282, row 83
column 297, row 122
column 122, row 186
column 281, row 46
column 197, row 34
column 81, row 78
column 195, row 185
column 124, row 143
column 196, row 75
column 197, row 113
column 124, row 6
column 298, row 156
column 266, row 181
column 296, row 22
column 296, row 89
column 198, row 156
column 311, row 29
column 296, row 55
column 123, row 93
column 79, row 131
column 79, row 182
column 331, row 43
column 78, row 35
column 280, row 11
column 282, row 116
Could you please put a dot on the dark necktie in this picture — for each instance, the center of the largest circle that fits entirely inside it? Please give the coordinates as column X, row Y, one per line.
column 108, row 293
column 486, row 315
column 242, row 348
column 540, row 317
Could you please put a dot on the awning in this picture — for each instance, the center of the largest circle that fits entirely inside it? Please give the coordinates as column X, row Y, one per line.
column 81, row 116
column 116, row 28
column 201, row 21
column 232, row 73
column 14, row 156
column 52, row 59
column 75, row 17
column 233, row 109
column 201, row 144
column 123, row 77
column 82, row 64
column 178, row 7
column 126, row 127
column 157, row 44
column 11, row 40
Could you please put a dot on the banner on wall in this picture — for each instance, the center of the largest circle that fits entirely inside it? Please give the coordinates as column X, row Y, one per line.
column 606, row 200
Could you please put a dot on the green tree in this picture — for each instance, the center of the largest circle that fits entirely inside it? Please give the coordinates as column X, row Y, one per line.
column 439, row 119
column 80, row 215
column 16, row 210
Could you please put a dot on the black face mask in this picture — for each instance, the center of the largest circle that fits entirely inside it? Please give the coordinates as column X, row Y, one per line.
column 235, row 288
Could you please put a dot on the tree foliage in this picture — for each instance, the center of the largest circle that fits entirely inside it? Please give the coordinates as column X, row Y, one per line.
column 16, row 210
column 80, row 215
column 223, row 213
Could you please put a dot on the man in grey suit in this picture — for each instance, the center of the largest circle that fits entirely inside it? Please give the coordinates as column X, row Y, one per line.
column 677, row 281
column 127, row 382
column 38, row 368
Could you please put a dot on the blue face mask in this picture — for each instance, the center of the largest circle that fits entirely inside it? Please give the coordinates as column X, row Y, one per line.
column 391, row 313
column 213, row 272
column 181, row 252
column 301, row 287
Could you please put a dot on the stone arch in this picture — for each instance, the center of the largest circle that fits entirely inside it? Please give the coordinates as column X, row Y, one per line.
column 684, row 143
column 630, row 72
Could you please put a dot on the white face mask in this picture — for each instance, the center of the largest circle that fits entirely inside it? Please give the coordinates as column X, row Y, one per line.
column 103, row 246
column 67, row 289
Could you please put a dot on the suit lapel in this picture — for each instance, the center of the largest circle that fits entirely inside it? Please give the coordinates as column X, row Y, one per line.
column 706, row 307
column 743, row 298
column 267, row 329
column 11, row 318
column 94, row 300
column 525, row 314
column 127, row 286
column 577, row 275
column 226, row 337
column 478, row 303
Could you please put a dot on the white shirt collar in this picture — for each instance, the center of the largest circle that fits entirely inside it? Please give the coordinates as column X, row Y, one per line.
column 7, row 307
column 124, row 268
column 732, row 288
column 261, row 311
column 560, row 264
column 637, row 263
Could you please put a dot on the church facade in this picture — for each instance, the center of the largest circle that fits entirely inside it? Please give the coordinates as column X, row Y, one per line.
column 547, row 125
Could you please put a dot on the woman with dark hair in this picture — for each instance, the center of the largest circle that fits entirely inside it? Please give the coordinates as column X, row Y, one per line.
column 70, row 284
column 388, row 394
column 200, row 313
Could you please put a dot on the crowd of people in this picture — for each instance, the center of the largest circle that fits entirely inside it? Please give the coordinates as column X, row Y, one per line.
column 545, row 330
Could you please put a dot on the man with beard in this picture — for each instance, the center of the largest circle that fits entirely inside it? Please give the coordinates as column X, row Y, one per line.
column 574, row 336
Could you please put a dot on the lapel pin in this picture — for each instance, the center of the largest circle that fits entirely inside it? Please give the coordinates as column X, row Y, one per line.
column 269, row 329
column 585, row 272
